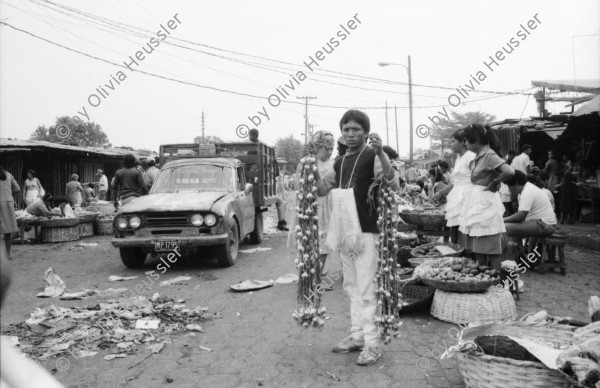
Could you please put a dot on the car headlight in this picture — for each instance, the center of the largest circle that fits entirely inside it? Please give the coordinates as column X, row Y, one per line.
column 135, row 222
column 210, row 219
column 122, row 223
column 197, row 220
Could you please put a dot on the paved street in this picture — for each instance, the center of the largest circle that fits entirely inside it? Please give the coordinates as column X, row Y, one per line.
column 257, row 342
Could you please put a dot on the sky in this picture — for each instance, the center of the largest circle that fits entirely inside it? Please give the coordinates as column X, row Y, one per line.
column 230, row 60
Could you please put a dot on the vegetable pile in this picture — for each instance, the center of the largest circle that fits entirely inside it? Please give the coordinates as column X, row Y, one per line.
column 388, row 271
column 462, row 272
column 307, row 238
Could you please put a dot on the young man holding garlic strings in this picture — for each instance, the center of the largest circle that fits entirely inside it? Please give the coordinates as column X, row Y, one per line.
column 353, row 228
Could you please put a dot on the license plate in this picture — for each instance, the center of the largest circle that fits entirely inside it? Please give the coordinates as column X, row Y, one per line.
column 166, row 245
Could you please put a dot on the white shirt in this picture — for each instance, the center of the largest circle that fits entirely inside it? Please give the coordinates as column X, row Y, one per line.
column 533, row 200
column 521, row 162
column 550, row 197
column 103, row 185
column 461, row 174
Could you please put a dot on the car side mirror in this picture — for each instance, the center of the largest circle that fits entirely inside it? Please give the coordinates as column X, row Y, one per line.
column 248, row 188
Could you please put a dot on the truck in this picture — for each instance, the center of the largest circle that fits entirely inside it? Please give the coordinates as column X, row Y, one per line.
column 203, row 196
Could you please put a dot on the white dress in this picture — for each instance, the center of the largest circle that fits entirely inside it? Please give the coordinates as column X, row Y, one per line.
column 461, row 177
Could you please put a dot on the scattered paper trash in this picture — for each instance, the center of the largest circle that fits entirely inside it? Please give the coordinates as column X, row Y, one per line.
column 78, row 295
column 205, row 348
column 83, row 244
column 115, row 278
column 54, row 285
column 155, row 348
column 254, row 250
column 194, row 328
column 87, row 353
column 113, row 356
column 147, row 323
column 178, row 279
column 287, row 278
column 248, row 285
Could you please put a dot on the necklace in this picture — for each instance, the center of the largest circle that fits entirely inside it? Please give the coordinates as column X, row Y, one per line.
column 353, row 168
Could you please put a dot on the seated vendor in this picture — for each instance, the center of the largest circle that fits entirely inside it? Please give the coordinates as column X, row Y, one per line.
column 405, row 188
column 535, row 216
column 41, row 207
column 89, row 195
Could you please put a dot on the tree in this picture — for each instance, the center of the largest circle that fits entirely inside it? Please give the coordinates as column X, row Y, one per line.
column 73, row 132
column 442, row 133
column 208, row 139
column 290, row 149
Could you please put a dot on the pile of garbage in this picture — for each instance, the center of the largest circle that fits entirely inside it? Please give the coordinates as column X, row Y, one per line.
column 119, row 326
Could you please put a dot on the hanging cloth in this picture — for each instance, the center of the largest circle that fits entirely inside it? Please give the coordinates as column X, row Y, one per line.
column 344, row 233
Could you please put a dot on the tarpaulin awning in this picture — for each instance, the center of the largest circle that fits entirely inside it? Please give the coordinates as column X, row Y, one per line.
column 581, row 85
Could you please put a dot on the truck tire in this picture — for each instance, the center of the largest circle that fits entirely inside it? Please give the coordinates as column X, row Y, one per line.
column 227, row 254
column 132, row 257
column 256, row 237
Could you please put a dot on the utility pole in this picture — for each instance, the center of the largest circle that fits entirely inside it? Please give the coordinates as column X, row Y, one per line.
column 410, row 107
column 396, row 118
column 387, row 129
column 306, row 98
column 202, row 127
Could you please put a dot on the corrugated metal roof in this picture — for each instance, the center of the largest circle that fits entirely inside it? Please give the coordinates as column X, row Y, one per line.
column 589, row 107
column 581, row 85
column 26, row 145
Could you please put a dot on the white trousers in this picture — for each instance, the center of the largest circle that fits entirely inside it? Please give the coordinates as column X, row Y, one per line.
column 359, row 273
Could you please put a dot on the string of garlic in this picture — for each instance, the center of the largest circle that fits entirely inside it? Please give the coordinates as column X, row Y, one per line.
column 310, row 311
column 387, row 277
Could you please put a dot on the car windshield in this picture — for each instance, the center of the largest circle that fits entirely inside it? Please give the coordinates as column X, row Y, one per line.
column 194, row 178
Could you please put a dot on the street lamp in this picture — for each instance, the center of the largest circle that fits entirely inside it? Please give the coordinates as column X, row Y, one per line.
column 410, row 107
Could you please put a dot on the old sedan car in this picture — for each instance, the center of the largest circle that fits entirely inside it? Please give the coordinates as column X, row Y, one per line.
column 194, row 202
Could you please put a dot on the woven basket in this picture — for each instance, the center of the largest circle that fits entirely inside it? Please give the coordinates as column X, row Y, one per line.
column 495, row 305
column 59, row 223
column 485, row 371
column 102, row 208
column 417, row 261
column 87, row 217
column 86, row 229
column 424, row 219
column 56, row 234
column 458, row 248
column 104, row 226
column 450, row 286
column 418, row 296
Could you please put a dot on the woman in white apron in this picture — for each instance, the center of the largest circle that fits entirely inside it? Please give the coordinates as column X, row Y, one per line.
column 457, row 192
column 482, row 216
column 33, row 188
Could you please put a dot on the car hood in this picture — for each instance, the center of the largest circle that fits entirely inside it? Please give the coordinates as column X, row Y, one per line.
column 159, row 202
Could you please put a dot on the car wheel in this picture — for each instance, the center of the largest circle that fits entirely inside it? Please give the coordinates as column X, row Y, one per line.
column 227, row 254
column 132, row 257
column 256, row 237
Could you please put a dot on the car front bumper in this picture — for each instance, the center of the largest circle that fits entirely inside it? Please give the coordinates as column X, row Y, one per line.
column 184, row 241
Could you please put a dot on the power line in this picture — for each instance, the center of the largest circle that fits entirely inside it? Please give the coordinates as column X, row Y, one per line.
column 213, row 87
column 132, row 29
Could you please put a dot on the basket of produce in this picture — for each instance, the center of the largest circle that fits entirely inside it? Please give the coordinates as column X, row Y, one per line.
column 424, row 218
column 495, row 305
column 59, row 223
column 102, row 207
column 86, row 229
column 431, row 250
column 104, row 225
column 65, row 230
column 502, row 355
column 466, row 277
column 87, row 217
column 416, row 296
